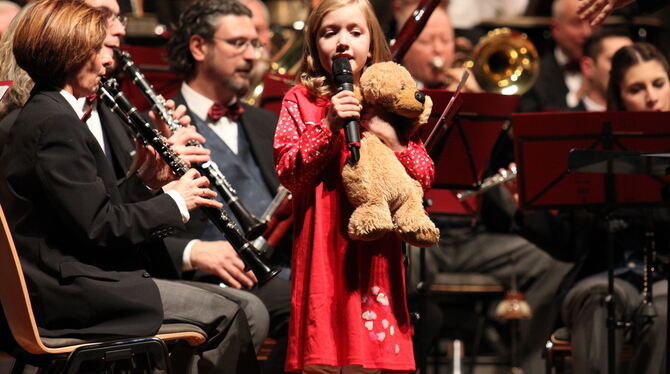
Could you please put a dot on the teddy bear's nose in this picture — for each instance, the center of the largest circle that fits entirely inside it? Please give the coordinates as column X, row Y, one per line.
column 420, row 97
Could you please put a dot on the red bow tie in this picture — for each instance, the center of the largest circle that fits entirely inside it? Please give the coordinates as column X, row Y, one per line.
column 90, row 100
column 233, row 111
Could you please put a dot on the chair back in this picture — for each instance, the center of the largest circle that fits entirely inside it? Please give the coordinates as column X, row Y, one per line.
column 19, row 311
column 14, row 295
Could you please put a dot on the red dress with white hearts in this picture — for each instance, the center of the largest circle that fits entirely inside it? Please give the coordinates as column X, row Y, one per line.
column 349, row 303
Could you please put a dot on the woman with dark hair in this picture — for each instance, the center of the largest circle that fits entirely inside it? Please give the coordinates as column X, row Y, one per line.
column 87, row 240
column 639, row 79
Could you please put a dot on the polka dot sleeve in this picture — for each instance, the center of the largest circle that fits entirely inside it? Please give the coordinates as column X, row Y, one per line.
column 302, row 149
column 417, row 163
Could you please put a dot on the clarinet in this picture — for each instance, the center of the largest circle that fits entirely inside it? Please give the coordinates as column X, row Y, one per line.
column 251, row 226
column 120, row 105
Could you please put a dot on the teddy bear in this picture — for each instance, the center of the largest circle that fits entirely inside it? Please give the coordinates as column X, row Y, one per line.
column 384, row 196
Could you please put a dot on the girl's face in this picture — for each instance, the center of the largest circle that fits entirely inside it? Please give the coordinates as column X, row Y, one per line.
column 645, row 86
column 344, row 32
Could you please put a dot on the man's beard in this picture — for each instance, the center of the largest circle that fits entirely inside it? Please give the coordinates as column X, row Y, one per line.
column 237, row 85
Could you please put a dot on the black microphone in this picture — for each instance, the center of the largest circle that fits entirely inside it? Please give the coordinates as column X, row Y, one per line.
column 344, row 80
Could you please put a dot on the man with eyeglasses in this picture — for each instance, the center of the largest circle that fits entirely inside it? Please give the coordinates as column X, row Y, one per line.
column 214, row 47
column 232, row 347
column 100, row 123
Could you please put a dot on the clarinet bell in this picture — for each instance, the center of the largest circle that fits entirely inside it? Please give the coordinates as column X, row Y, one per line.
column 254, row 262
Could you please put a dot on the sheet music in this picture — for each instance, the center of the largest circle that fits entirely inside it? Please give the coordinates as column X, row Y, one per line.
column 4, row 87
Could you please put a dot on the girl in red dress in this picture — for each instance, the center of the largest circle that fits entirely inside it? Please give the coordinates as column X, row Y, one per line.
column 349, row 306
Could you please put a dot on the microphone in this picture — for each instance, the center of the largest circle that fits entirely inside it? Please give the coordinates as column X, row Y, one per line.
column 344, row 80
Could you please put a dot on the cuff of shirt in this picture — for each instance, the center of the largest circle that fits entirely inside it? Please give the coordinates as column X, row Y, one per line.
column 186, row 256
column 181, row 204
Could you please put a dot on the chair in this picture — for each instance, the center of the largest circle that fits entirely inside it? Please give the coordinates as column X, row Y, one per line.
column 71, row 353
column 475, row 289
column 558, row 350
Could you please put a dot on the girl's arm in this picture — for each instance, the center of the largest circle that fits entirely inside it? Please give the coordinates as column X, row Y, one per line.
column 302, row 149
column 412, row 154
column 417, row 163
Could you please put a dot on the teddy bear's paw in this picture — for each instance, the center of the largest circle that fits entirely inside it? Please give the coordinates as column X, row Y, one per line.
column 423, row 238
column 420, row 232
column 369, row 223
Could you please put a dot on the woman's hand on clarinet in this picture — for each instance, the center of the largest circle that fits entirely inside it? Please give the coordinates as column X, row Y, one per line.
column 193, row 189
column 150, row 167
column 220, row 259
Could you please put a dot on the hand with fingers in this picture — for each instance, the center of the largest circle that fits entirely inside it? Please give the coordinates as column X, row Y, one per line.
column 595, row 11
column 220, row 259
column 512, row 185
column 344, row 105
column 193, row 189
column 189, row 154
column 149, row 166
column 374, row 122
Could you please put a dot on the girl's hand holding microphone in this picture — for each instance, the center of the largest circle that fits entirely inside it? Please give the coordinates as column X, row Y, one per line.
column 344, row 105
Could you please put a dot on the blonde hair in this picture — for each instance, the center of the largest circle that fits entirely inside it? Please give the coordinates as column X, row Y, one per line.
column 311, row 73
column 17, row 96
column 55, row 38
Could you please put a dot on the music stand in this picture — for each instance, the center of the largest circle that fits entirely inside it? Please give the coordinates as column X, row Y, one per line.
column 463, row 144
column 4, row 87
column 549, row 179
column 544, row 140
column 620, row 162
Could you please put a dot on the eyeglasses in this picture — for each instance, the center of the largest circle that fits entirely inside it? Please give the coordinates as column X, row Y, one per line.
column 123, row 20
column 241, row 44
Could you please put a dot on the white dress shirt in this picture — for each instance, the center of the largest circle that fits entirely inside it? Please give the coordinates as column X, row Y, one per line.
column 573, row 79
column 199, row 105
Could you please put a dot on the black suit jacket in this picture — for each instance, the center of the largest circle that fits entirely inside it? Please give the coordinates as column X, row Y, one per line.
column 549, row 91
column 79, row 238
column 259, row 125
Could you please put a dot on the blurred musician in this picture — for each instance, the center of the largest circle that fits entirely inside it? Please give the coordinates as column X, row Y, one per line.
column 639, row 81
column 431, row 57
column 85, row 239
column 486, row 249
column 8, row 10
column 559, row 82
column 595, row 66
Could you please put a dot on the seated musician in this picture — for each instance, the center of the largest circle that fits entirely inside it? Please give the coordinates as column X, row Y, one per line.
column 109, row 130
column 86, row 242
column 639, row 81
column 559, row 80
column 214, row 47
column 483, row 248
column 431, row 57
column 595, row 66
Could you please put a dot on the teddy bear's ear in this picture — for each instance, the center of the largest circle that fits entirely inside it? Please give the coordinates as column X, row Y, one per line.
column 427, row 108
